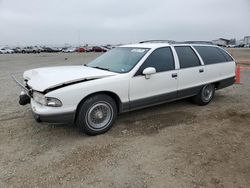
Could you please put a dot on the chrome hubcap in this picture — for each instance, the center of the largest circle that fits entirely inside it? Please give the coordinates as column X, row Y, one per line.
column 99, row 115
column 207, row 93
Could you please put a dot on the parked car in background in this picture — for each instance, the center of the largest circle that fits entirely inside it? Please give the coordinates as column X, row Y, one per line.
column 105, row 48
column 30, row 49
column 80, row 49
column 108, row 47
column 50, row 50
column 89, row 49
column 40, row 49
column 17, row 50
column 69, row 50
column 98, row 49
column 126, row 78
column 240, row 46
column 6, row 51
column 231, row 46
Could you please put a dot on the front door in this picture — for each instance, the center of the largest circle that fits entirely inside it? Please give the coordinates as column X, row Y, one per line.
column 160, row 86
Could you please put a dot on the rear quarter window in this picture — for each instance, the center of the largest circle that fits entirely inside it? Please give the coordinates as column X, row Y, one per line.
column 211, row 55
column 226, row 55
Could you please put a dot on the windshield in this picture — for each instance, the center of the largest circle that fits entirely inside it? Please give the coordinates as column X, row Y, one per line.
column 120, row 60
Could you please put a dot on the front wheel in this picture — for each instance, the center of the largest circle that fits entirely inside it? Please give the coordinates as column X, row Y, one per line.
column 97, row 114
column 205, row 95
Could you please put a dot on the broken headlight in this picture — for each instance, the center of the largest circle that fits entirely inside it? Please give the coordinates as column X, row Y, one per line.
column 47, row 101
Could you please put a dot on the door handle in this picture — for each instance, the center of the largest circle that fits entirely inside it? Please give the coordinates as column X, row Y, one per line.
column 174, row 75
column 201, row 70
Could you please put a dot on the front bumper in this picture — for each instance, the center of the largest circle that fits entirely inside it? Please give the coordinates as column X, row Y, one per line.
column 51, row 114
column 43, row 113
column 47, row 114
column 66, row 118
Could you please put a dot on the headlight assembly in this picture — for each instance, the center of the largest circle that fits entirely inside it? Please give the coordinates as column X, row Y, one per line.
column 46, row 101
column 53, row 102
column 40, row 98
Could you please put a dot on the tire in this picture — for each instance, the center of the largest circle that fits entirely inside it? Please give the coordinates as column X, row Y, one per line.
column 205, row 95
column 96, row 114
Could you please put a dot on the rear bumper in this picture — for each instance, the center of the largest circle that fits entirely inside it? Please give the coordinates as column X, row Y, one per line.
column 226, row 82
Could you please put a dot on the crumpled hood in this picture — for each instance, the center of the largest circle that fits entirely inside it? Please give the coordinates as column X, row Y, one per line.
column 42, row 79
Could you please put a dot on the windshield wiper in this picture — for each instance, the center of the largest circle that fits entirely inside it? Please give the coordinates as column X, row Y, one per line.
column 101, row 68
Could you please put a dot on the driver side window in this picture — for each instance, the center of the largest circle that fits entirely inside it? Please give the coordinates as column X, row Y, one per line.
column 161, row 59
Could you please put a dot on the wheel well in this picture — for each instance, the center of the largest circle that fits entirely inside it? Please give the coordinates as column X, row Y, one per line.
column 216, row 84
column 111, row 94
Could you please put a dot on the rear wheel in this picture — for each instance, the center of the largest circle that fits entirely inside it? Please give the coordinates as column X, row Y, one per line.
column 97, row 114
column 205, row 95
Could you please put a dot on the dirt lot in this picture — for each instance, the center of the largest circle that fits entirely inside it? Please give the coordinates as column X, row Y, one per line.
column 242, row 55
column 172, row 145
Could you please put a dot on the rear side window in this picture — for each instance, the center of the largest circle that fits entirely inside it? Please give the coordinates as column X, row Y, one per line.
column 187, row 57
column 211, row 55
column 228, row 57
column 161, row 59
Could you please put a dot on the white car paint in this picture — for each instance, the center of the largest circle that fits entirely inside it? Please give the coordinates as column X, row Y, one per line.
column 46, row 78
column 125, row 85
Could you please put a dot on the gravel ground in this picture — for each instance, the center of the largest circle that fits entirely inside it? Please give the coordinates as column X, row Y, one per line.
column 177, row 144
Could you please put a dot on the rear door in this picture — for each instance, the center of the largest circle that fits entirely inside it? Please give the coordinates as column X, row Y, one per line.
column 161, row 86
column 191, row 73
column 219, row 64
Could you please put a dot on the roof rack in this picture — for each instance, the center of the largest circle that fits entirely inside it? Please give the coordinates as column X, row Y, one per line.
column 174, row 42
column 198, row 42
column 157, row 41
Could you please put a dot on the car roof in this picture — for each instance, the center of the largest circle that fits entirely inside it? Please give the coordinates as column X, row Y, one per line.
column 146, row 45
column 164, row 44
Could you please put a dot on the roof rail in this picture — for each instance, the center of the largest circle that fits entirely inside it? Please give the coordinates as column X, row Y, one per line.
column 157, row 41
column 197, row 42
column 174, row 42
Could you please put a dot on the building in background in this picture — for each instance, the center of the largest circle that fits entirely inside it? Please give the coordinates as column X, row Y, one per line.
column 247, row 40
column 221, row 42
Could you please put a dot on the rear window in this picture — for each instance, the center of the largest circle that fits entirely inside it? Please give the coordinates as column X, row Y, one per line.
column 212, row 55
column 187, row 57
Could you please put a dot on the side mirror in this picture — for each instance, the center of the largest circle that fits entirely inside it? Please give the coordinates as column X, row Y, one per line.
column 148, row 71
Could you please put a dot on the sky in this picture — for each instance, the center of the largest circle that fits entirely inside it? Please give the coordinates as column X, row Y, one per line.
column 57, row 22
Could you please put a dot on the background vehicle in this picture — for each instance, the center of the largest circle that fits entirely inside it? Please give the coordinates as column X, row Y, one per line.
column 30, row 49
column 98, row 49
column 17, row 50
column 105, row 48
column 80, row 49
column 6, row 51
column 69, row 50
column 50, row 50
column 89, row 49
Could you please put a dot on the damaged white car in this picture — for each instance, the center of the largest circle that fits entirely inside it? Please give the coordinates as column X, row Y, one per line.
column 123, row 79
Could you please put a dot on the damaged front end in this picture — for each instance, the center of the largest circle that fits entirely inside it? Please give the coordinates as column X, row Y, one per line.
column 24, row 98
column 26, row 94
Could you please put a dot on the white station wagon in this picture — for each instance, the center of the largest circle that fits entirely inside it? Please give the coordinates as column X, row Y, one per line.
column 126, row 78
